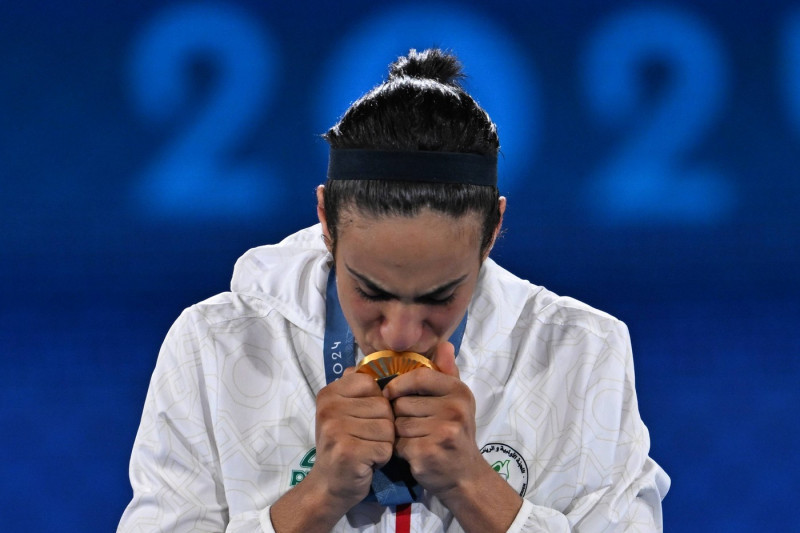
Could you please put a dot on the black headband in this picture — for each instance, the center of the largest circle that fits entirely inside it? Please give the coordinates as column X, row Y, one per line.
column 433, row 167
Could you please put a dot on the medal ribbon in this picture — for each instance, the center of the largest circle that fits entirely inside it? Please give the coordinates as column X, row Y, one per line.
column 393, row 484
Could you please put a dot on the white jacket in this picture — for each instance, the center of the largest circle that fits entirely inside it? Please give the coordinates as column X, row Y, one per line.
column 228, row 424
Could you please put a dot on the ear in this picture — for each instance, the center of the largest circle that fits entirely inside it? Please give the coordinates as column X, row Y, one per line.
column 326, row 235
column 502, row 208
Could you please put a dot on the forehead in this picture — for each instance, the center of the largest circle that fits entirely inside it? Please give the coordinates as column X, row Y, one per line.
column 427, row 246
column 424, row 227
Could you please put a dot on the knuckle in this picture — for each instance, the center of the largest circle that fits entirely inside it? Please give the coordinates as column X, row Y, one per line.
column 450, row 433
column 327, row 431
column 384, row 451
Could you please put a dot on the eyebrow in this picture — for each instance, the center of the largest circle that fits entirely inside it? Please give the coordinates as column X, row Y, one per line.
column 423, row 298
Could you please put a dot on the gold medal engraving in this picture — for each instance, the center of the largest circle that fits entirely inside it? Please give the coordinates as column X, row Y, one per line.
column 387, row 363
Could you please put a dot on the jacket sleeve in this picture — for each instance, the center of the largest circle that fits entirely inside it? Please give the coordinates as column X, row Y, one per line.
column 620, row 488
column 174, row 467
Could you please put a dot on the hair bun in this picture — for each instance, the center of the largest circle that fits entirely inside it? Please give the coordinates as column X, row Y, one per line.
column 430, row 64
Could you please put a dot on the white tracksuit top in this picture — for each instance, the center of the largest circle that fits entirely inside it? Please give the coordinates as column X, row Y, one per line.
column 228, row 423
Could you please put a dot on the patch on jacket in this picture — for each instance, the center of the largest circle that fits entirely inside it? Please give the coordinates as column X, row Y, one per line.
column 304, row 467
column 509, row 464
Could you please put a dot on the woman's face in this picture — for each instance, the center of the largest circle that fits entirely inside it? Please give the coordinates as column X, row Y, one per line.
column 404, row 283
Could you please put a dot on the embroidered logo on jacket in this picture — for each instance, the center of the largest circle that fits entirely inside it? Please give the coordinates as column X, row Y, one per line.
column 306, row 463
column 509, row 464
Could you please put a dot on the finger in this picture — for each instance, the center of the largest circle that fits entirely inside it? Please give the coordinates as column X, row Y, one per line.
column 378, row 454
column 412, row 427
column 375, row 430
column 409, row 449
column 422, row 382
column 416, row 405
column 355, row 385
column 331, row 406
column 445, row 359
column 365, row 408
column 352, row 452
column 436, row 433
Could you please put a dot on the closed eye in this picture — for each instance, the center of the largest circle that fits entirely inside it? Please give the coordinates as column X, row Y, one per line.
column 431, row 300
column 373, row 297
column 384, row 297
column 374, row 293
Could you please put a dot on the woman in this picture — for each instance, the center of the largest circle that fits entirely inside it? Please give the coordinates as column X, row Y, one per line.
column 257, row 421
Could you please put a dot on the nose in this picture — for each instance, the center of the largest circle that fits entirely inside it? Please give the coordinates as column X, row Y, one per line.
column 402, row 327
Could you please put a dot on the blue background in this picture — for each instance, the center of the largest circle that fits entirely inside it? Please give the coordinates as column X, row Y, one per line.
column 650, row 161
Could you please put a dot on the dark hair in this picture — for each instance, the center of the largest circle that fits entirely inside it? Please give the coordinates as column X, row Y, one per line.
column 420, row 107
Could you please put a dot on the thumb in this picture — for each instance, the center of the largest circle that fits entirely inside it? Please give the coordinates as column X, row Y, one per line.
column 445, row 359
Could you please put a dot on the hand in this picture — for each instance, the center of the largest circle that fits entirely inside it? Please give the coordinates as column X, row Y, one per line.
column 354, row 435
column 435, row 424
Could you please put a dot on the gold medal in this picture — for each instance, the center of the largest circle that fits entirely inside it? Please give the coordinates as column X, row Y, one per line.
column 388, row 364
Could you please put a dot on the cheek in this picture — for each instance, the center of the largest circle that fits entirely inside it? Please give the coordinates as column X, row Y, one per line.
column 443, row 321
column 364, row 314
